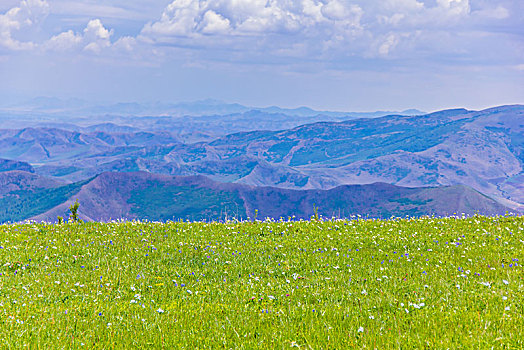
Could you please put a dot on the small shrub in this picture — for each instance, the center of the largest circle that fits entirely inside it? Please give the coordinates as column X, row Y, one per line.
column 74, row 211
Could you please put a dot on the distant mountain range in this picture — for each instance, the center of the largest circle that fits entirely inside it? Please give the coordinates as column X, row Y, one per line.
column 209, row 107
column 162, row 197
column 189, row 121
column 483, row 150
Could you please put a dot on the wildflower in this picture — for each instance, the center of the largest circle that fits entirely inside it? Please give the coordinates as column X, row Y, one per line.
column 361, row 330
column 160, row 311
column 505, row 282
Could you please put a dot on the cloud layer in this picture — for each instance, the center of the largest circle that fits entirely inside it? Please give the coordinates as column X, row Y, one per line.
column 311, row 28
column 321, row 28
column 331, row 44
column 253, row 17
column 28, row 14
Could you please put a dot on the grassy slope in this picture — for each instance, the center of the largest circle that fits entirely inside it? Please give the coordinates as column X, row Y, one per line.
column 161, row 198
column 424, row 283
column 20, row 205
column 162, row 202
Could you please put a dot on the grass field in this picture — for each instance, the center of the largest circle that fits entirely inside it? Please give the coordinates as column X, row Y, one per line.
column 403, row 283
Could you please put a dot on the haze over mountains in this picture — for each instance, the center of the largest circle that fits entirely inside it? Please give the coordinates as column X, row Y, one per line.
column 299, row 158
column 209, row 107
column 203, row 120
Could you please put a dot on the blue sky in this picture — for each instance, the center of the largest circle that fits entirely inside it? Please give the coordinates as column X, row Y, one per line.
column 353, row 55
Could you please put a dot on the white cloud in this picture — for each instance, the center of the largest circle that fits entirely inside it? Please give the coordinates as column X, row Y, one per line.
column 94, row 38
column 95, row 31
column 258, row 30
column 316, row 26
column 31, row 11
column 335, row 10
column 388, row 45
column 28, row 13
column 454, row 7
column 250, row 17
column 213, row 23
column 125, row 44
column 404, row 5
column 64, row 41
column 497, row 13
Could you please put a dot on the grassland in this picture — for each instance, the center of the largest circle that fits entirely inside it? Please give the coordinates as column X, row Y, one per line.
column 403, row 283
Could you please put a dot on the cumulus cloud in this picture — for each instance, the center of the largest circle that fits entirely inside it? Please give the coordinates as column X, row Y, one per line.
column 213, row 23
column 344, row 26
column 97, row 36
column 250, row 17
column 497, row 13
column 64, row 41
column 94, row 38
column 454, row 7
column 28, row 13
column 251, row 30
column 390, row 42
column 125, row 44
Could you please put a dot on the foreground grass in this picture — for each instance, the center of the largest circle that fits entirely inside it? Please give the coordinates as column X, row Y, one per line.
column 418, row 283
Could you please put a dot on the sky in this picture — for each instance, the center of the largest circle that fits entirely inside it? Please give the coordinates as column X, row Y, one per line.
column 347, row 55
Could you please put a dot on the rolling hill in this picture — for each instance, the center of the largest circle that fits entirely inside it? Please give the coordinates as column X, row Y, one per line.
column 480, row 149
column 143, row 195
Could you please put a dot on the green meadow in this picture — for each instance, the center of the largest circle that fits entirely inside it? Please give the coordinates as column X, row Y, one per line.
column 320, row 284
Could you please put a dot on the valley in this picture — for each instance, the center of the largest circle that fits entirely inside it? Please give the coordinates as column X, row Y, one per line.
column 460, row 153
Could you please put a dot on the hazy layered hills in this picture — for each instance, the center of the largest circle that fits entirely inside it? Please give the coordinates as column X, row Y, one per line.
column 188, row 121
column 481, row 149
column 50, row 106
column 162, row 197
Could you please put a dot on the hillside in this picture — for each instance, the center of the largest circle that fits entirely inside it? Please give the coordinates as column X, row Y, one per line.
column 10, row 165
column 162, row 197
column 480, row 149
column 23, row 194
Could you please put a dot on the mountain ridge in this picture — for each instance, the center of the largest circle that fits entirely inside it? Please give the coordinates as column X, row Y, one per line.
column 483, row 149
column 142, row 195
